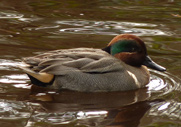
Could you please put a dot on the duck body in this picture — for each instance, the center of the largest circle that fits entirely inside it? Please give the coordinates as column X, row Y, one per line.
column 88, row 69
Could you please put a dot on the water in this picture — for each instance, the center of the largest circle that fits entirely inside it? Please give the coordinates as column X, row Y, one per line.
column 29, row 27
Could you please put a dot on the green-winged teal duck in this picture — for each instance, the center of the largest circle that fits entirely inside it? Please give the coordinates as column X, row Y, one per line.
column 120, row 66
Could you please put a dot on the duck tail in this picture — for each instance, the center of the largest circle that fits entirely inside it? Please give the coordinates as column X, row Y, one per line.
column 38, row 78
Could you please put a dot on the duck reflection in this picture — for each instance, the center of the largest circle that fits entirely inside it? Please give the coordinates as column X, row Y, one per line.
column 122, row 109
column 87, row 100
column 129, row 116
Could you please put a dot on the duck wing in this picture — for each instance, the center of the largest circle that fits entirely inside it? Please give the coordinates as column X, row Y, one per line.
column 62, row 62
column 87, row 60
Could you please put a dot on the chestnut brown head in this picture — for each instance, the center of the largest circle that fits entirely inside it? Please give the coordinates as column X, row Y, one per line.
column 131, row 50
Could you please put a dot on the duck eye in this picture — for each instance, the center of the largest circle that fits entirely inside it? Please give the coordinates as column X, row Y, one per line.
column 133, row 49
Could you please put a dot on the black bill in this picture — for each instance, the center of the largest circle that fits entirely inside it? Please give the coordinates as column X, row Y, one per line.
column 149, row 63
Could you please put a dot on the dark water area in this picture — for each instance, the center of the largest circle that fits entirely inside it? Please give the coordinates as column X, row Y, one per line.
column 30, row 27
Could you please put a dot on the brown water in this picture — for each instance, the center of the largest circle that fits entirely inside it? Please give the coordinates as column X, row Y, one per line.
column 28, row 27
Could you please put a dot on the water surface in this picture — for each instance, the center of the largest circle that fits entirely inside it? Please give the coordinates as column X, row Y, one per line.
column 30, row 27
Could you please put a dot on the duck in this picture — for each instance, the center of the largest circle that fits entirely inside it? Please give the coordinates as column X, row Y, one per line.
column 121, row 66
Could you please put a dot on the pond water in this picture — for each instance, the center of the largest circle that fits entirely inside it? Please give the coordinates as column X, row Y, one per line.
column 30, row 27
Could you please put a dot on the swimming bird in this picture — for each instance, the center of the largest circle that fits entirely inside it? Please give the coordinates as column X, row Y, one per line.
column 120, row 66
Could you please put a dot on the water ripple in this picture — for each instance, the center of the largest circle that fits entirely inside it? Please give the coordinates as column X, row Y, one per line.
column 170, row 109
column 8, row 64
column 16, row 15
column 7, row 15
column 102, row 28
column 13, row 110
column 109, row 27
column 162, row 84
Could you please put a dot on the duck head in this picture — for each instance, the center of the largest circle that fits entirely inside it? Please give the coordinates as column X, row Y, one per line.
column 131, row 50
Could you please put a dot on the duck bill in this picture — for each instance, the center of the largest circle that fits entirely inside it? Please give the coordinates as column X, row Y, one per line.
column 151, row 64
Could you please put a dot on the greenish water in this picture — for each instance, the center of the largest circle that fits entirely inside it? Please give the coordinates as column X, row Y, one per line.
column 30, row 27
